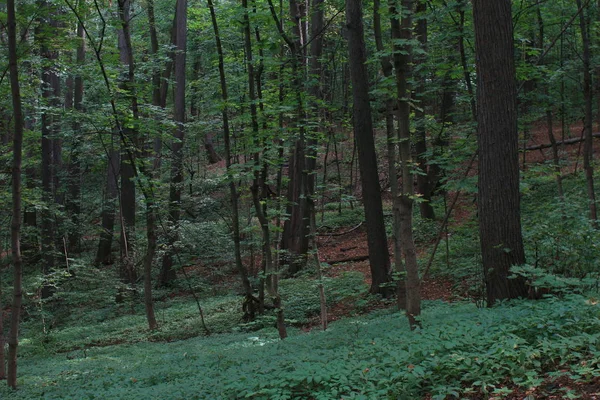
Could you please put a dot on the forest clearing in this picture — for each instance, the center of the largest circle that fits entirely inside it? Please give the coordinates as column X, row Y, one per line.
column 301, row 199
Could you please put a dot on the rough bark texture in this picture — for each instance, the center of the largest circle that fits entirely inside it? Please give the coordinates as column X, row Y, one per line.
column 498, row 200
column 379, row 258
column 13, row 338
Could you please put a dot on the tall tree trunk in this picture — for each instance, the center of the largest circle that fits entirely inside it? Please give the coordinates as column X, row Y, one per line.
column 50, row 92
column 499, row 198
column 588, row 121
column 74, row 183
column 167, row 271
column 271, row 273
column 379, row 258
column 233, row 193
column 13, row 338
column 424, row 185
column 131, row 152
column 129, row 149
column 387, row 69
column 402, row 31
column 296, row 229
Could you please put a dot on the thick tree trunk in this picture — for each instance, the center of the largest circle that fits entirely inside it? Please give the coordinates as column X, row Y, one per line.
column 167, row 272
column 363, row 129
column 13, row 338
column 499, row 198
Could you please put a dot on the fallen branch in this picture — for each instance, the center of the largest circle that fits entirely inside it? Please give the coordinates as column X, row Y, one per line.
column 564, row 142
column 348, row 259
column 341, row 233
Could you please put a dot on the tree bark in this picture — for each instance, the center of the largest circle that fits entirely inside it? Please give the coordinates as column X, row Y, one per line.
column 13, row 338
column 499, row 199
column 73, row 204
column 402, row 30
column 167, row 271
column 104, row 253
column 129, row 148
column 588, row 148
column 387, row 69
column 363, row 129
column 50, row 88
column 233, row 193
column 424, row 185
column 296, row 229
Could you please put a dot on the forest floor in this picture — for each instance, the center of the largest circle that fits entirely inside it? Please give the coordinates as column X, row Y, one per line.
column 527, row 350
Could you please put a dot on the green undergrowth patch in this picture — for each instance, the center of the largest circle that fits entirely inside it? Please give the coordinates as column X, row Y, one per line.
column 179, row 318
column 460, row 351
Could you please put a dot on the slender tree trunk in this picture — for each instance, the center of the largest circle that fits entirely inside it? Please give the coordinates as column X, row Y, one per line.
column 424, row 186
column 13, row 339
column 387, row 69
column 232, row 186
column 74, row 183
column 588, row 121
column 131, row 152
column 550, row 119
column 379, row 258
column 129, row 149
column 462, row 5
column 167, row 272
column 402, row 30
column 499, row 198
column 50, row 92
column 270, row 272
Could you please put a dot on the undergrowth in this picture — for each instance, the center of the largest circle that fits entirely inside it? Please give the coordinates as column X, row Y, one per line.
column 460, row 351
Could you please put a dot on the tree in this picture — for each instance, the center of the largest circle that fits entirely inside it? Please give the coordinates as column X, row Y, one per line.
column 51, row 89
column 402, row 33
column 379, row 258
column 390, row 105
column 13, row 338
column 178, row 138
column 129, row 147
column 233, row 192
column 296, row 229
column 498, row 199
column 588, row 121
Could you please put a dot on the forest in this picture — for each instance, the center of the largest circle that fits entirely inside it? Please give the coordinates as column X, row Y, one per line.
column 299, row 199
